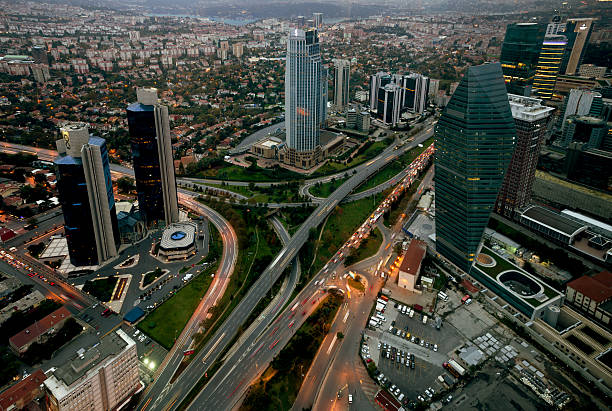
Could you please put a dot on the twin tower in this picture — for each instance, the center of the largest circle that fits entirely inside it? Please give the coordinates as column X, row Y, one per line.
column 85, row 186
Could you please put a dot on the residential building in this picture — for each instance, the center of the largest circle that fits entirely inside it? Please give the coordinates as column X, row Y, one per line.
column 238, row 49
column 410, row 268
column 363, row 121
column 39, row 54
column 520, row 52
column 149, row 128
column 474, row 141
column 549, row 64
column 342, row 78
column 377, row 82
column 39, row 331
column 101, row 378
column 305, row 96
column 86, row 195
column 18, row 396
column 389, row 104
column 578, row 32
column 592, row 71
column 530, row 119
column 592, row 295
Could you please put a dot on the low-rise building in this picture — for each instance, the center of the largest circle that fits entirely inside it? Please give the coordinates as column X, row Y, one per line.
column 40, row 330
column 29, row 301
column 592, row 295
column 101, row 378
column 178, row 241
column 18, row 396
column 410, row 268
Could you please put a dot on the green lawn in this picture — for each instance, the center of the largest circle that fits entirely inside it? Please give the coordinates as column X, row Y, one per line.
column 151, row 276
column 233, row 172
column 324, row 190
column 278, row 387
column 293, row 217
column 368, row 247
column 274, row 194
column 371, row 151
column 167, row 321
column 101, row 289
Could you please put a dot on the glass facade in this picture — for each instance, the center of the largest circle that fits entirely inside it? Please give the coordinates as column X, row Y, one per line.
column 141, row 123
column 519, row 55
column 549, row 62
column 474, row 141
column 78, row 223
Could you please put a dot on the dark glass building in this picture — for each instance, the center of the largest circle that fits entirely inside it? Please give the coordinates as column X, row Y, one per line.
column 519, row 55
column 474, row 141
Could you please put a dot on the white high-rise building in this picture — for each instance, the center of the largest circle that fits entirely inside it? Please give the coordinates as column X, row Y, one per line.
column 318, row 20
column 377, row 81
column 389, row 104
column 100, row 378
column 582, row 103
column 304, row 90
column 342, row 78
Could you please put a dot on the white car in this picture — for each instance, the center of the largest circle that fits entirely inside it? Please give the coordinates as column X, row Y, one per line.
column 350, row 398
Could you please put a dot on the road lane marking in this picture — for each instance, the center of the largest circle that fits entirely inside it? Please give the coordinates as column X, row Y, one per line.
column 332, row 344
column 346, row 316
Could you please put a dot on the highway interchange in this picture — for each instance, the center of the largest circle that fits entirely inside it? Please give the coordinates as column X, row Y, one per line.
column 163, row 395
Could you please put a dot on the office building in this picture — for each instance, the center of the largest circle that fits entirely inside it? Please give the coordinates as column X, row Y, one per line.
column 100, row 378
column 549, row 63
column 389, row 104
column 565, row 84
column 520, row 52
column 434, row 86
column 582, row 103
column 578, row 32
column 377, row 81
column 415, row 89
column 584, row 129
column 305, row 97
column 318, row 20
column 152, row 157
column 342, row 78
column 588, row 166
column 474, row 141
column 530, row 119
column 86, row 195
column 363, row 121
column 301, row 22
column 351, row 118
column 592, row 71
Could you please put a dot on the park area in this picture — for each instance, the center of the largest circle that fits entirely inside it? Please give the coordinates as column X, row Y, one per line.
column 101, row 289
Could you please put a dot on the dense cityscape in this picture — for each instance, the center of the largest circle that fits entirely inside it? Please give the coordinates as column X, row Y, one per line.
column 305, row 205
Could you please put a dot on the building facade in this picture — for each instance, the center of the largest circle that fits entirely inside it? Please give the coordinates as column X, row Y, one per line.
column 549, row 64
column 581, row 102
column 415, row 89
column 474, row 141
column 530, row 119
column 519, row 56
column 377, row 81
column 100, row 378
column 86, row 195
column 578, row 33
column 389, row 104
column 149, row 127
column 342, row 78
column 304, row 94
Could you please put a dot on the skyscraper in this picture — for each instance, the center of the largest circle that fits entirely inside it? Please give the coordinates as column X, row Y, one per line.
column 389, row 104
column 530, row 118
column 474, row 139
column 152, row 156
column 304, row 90
column 318, row 20
column 578, row 33
column 581, row 102
column 549, row 63
column 415, row 88
column 519, row 55
column 377, row 81
column 86, row 195
column 342, row 78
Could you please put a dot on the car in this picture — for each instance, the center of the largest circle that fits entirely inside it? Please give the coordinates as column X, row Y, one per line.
column 350, row 398
column 422, row 343
column 379, row 346
column 420, row 397
column 427, row 345
column 396, row 392
column 435, row 347
column 412, row 339
column 449, row 399
column 393, row 387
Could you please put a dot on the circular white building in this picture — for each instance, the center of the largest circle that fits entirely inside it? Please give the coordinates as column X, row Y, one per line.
column 178, row 241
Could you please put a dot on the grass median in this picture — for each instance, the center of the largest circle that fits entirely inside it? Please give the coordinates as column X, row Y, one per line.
column 280, row 384
column 165, row 323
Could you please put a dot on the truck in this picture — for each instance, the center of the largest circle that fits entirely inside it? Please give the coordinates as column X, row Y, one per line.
column 454, row 368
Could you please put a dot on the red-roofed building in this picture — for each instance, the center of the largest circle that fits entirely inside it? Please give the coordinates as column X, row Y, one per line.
column 6, row 234
column 387, row 402
column 592, row 295
column 24, row 392
column 410, row 268
column 38, row 331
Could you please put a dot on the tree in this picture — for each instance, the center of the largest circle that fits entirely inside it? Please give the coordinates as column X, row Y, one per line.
column 125, row 185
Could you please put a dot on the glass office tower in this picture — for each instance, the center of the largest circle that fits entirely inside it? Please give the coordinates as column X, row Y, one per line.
column 474, row 140
column 152, row 157
column 549, row 63
column 519, row 55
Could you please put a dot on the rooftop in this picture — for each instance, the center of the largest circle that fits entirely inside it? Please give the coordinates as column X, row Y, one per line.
column 22, row 389
column 553, row 220
column 413, row 257
column 528, row 108
column 40, row 327
column 598, row 288
column 178, row 235
column 67, row 374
